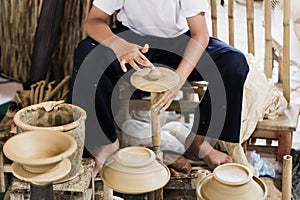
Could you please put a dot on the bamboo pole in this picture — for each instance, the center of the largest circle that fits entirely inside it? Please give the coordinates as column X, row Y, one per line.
column 250, row 25
column 231, row 22
column 287, row 177
column 286, row 50
column 268, row 38
column 214, row 16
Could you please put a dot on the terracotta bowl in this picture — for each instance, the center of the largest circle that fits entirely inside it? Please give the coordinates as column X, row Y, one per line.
column 39, row 151
column 135, row 170
column 231, row 182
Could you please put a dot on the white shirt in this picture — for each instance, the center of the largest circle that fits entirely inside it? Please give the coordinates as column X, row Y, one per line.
column 161, row 18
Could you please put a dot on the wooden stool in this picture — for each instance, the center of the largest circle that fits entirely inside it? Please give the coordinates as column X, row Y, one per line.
column 280, row 129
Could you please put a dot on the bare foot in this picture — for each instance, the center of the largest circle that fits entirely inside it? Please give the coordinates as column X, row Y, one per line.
column 215, row 158
column 101, row 154
column 178, row 162
column 197, row 146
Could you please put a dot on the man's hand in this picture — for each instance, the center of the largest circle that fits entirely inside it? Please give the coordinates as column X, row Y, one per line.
column 132, row 54
column 164, row 100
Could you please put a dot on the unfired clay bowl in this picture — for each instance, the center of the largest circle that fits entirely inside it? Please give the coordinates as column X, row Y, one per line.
column 231, row 182
column 153, row 81
column 61, row 170
column 135, row 170
column 39, row 151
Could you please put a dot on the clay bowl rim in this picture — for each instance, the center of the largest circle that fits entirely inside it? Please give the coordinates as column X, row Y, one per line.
column 62, row 169
column 65, row 127
column 242, row 167
column 119, row 160
column 259, row 181
column 110, row 163
column 132, row 191
column 41, row 161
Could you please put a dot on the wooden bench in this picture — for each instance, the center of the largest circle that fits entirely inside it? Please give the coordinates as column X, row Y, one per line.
column 280, row 129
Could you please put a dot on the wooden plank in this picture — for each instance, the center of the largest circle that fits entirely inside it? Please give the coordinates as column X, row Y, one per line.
column 263, row 149
column 265, row 134
column 286, row 122
column 181, row 106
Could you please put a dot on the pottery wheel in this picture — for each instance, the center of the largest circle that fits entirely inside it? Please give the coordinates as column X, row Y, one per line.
column 167, row 80
column 60, row 171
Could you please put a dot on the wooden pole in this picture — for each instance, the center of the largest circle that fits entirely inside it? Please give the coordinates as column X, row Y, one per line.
column 231, row 22
column 214, row 15
column 155, row 195
column 268, row 39
column 286, row 50
column 107, row 192
column 287, row 177
column 250, row 25
column 155, row 125
column 2, row 176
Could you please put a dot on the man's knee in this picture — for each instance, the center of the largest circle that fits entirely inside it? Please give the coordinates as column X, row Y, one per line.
column 237, row 67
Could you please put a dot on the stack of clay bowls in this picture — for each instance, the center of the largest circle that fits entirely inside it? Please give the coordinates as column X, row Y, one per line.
column 40, row 157
column 134, row 170
column 231, row 182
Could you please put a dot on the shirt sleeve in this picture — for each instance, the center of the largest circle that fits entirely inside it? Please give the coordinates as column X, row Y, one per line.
column 108, row 6
column 191, row 8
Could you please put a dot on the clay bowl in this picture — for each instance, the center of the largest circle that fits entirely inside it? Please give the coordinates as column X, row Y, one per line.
column 231, row 182
column 39, row 151
column 134, row 170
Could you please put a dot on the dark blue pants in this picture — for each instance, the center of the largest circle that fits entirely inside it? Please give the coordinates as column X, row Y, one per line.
column 224, row 67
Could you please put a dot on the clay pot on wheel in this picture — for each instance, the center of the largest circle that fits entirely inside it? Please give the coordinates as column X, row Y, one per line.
column 134, row 170
column 231, row 182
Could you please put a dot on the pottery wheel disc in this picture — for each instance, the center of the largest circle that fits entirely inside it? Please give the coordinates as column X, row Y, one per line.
column 168, row 80
column 60, row 171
